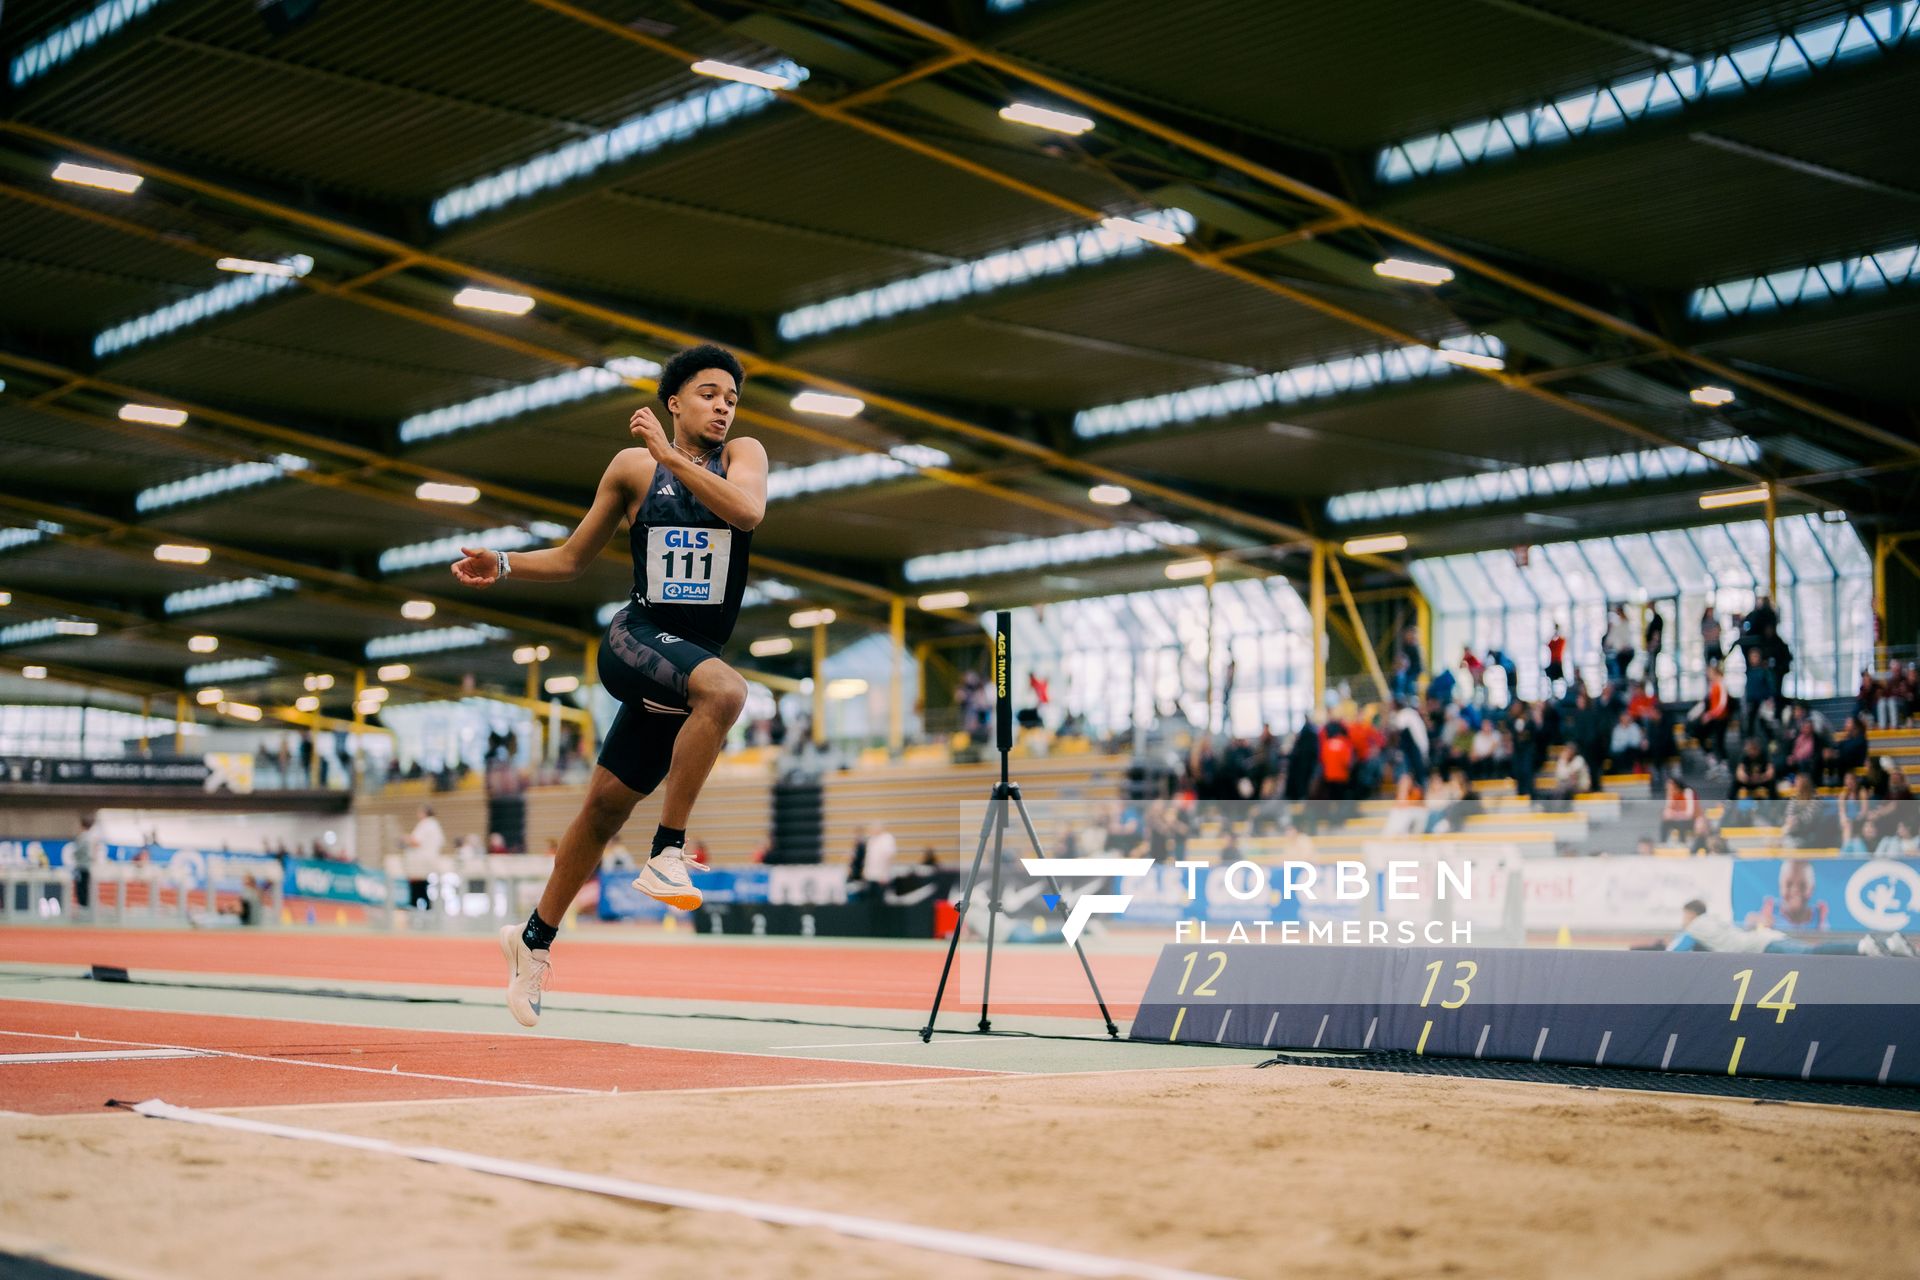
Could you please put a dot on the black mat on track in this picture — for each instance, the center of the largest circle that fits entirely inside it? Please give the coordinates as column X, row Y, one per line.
column 1754, row 1089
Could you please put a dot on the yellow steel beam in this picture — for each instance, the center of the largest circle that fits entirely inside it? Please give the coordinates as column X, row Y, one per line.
column 1359, row 627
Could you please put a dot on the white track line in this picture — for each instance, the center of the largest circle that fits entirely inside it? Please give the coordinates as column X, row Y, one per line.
column 955, row 1243
column 189, row 1050
column 98, row 1055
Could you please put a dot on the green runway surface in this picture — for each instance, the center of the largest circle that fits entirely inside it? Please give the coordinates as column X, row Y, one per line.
column 1019, row 1044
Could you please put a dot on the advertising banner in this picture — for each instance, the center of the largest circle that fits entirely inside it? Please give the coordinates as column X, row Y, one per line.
column 1812, row 895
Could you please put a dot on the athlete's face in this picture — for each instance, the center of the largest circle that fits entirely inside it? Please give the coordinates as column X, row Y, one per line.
column 703, row 409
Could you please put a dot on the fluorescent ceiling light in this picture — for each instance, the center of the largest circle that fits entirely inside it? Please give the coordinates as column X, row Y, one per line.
column 771, row 647
column 317, row 683
column 852, row 471
column 1181, row 570
column 829, row 405
column 207, row 697
column 1374, row 545
column 372, row 693
column 1470, row 359
column 393, row 673
column 528, row 397
column 220, row 594
column 1110, row 495
column 233, row 669
column 1783, row 55
column 207, row 484
column 810, row 618
column 845, row 687
column 222, row 297
column 407, row 644
column 254, row 267
column 1416, row 272
column 1065, row 252
column 562, row 684
column 742, row 75
column 943, row 600
column 1710, row 396
column 507, row 304
column 241, row 710
column 368, row 707
column 1553, row 479
column 75, row 627
column 203, row 644
column 153, row 414
column 1153, row 233
column 1247, row 395
column 1041, row 553
column 179, row 553
column 444, row 551
column 1043, row 118
column 6, row 598
column 306, row 702
column 641, row 135
column 33, row 673
column 417, row 610
column 85, row 31
column 86, row 175
column 434, row 491
column 1733, row 497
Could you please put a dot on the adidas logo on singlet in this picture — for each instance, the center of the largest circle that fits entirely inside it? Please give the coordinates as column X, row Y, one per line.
column 666, row 490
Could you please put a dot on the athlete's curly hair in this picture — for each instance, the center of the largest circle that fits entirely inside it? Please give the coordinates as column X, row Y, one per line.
column 691, row 361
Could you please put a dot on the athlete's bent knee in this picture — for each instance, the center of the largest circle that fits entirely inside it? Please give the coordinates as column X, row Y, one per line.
column 607, row 810
column 720, row 688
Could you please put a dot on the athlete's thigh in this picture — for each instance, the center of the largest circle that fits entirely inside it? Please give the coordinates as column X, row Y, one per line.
column 639, row 747
column 647, row 668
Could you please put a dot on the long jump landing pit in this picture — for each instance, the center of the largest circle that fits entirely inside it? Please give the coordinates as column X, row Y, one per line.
column 1229, row 1171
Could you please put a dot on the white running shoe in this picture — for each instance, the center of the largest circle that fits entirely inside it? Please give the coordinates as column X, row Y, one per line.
column 1895, row 944
column 665, row 878
column 527, row 974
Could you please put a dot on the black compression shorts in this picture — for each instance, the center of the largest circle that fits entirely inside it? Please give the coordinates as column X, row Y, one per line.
column 647, row 669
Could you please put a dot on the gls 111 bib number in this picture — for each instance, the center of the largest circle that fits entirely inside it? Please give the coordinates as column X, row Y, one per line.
column 687, row 566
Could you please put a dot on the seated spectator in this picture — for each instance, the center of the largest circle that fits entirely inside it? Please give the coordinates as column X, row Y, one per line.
column 1627, row 745
column 1866, row 701
column 1897, row 696
column 1483, row 752
column 1901, row 844
column 1410, row 731
column 1408, row 817
column 1848, row 752
column 1861, row 838
column 1571, row 778
column 1642, row 705
column 1754, row 777
column 1465, row 802
column 1805, row 821
column 1802, row 753
column 1439, row 800
column 1705, row 838
column 1681, row 812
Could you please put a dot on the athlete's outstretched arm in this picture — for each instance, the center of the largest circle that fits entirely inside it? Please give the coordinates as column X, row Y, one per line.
column 739, row 498
column 481, row 566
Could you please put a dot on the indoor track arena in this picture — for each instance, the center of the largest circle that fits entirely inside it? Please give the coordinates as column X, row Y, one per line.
column 950, row 638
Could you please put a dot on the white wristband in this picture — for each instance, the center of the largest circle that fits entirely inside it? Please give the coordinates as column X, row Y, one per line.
column 506, row 566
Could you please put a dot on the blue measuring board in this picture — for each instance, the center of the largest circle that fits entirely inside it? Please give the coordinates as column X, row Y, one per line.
column 1793, row 1017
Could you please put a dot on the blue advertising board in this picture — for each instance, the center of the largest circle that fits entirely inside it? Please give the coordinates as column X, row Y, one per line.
column 1839, row 895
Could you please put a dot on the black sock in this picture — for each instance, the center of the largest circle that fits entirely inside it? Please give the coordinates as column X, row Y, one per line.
column 668, row 838
column 538, row 935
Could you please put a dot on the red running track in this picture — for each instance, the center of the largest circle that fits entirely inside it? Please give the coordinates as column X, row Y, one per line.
column 1041, row 979
column 269, row 1062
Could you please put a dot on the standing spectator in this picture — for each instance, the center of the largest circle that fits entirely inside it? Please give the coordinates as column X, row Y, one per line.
column 1336, row 762
column 424, row 845
column 1508, row 670
column 1758, row 690
column 1681, row 812
column 87, row 850
column 1523, row 747
column 1654, row 641
column 1616, row 645
column 1866, row 702
column 876, row 872
column 1416, row 660
column 1476, row 675
column 1712, row 716
column 1556, row 669
column 1848, row 752
column 1589, row 732
column 1411, row 738
column 1711, row 652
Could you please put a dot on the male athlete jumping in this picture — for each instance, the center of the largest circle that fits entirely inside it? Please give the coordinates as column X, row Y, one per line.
column 693, row 501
